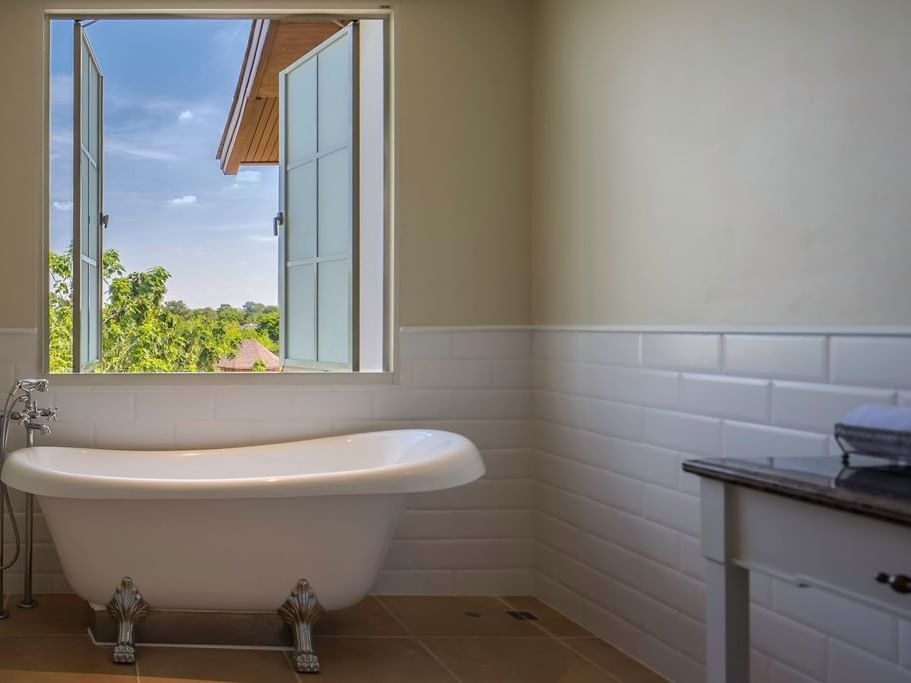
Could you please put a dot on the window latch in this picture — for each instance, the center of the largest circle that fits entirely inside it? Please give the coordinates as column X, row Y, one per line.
column 105, row 220
column 278, row 220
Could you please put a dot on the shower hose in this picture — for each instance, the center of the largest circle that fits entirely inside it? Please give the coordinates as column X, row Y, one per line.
column 6, row 506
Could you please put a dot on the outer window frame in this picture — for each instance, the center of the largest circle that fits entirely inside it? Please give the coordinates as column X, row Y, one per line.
column 388, row 375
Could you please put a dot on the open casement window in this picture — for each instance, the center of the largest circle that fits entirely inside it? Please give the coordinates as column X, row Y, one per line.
column 88, row 219
column 317, row 198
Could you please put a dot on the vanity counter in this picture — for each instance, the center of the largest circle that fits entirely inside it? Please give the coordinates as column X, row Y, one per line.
column 870, row 486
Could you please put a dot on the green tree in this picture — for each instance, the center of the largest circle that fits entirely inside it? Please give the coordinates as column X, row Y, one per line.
column 140, row 331
column 60, row 311
column 268, row 325
column 228, row 312
column 253, row 309
column 177, row 307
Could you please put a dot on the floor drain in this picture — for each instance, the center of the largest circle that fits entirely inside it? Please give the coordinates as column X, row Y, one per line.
column 522, row 615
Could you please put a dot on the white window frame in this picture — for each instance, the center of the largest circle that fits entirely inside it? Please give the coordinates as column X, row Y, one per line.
column 390, row 372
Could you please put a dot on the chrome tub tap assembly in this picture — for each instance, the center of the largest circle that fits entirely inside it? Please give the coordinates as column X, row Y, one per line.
column 21, row 407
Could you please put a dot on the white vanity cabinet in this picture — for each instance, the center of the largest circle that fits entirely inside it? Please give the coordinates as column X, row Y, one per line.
column 807, row 528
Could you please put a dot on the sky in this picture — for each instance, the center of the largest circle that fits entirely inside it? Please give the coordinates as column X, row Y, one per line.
column 168, row 87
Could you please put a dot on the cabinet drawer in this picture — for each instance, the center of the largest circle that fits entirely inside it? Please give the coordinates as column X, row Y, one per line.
column 827, row 548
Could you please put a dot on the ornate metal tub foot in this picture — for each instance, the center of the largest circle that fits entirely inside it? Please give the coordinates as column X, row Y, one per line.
column 300, row 611
column 128, row 608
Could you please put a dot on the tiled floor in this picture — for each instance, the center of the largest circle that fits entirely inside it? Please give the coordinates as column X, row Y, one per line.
column 387, row 639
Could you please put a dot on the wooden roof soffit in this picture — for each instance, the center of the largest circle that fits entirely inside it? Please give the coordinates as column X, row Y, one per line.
column 250, row 135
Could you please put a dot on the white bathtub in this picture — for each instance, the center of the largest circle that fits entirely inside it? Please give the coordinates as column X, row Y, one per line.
column 234, row 529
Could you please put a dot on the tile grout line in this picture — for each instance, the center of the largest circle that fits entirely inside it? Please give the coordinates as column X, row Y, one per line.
column 628, row 654
column 595, row 664
column 420, row 642
column 286, row 656
column 590, row 661
column 553, row 636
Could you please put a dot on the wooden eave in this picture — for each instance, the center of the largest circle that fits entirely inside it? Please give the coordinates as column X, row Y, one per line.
column 250, row 135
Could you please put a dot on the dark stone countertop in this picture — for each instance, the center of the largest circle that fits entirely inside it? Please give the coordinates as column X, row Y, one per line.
column 869, row 486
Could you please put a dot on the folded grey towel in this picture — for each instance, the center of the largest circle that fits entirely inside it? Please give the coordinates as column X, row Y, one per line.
column 893, row 418
column 877, row 430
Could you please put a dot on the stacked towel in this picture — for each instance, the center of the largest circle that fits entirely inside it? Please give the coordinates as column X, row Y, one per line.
column 878, row 430
column 893, row 418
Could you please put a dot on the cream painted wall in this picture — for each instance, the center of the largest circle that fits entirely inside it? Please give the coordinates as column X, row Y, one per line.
column 462, row 132
column 721, row 161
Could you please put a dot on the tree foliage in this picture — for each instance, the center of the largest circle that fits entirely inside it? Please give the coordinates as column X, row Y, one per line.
column 142, row 332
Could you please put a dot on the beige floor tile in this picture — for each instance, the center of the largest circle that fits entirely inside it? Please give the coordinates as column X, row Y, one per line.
column 459, row 616
column 514, row 660
column 59, row 659
column 55, row 615
column 183, row 664
column 367, row 618
column 611, row 659
column 377, row 660
column 548, row 618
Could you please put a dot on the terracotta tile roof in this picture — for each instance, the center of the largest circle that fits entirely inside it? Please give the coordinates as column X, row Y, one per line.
column 247, row 354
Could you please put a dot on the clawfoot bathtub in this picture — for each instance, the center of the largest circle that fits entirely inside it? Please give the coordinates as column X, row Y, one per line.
column 236, row 529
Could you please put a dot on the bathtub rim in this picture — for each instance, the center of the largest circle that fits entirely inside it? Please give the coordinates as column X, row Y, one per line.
column 455, row 462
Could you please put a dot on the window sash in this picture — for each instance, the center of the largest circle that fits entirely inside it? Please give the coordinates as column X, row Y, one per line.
column 88, row 197
column 311, row 243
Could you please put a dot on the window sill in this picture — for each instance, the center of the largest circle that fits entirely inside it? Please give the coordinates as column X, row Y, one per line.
column 216, row 379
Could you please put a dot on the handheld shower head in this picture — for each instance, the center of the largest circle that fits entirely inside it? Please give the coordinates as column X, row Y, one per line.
column 32, row 384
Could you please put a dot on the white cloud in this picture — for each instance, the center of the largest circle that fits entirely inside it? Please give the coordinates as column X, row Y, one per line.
column 249, row 176
column 245, row 179
column 183, row 201
column 186, row 115
column 64, row 206
column 114, row 146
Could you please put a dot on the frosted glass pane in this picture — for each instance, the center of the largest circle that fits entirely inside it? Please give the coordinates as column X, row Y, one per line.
column 91, row 224
column 300, row 312
column 335, row 203
column 300, row 221
column 84, row 208
column 84, row 96
column 93, row 110
column 88, row 323
column 335, row 86
column 94, row 310
column 300, row 112
column 335, row 311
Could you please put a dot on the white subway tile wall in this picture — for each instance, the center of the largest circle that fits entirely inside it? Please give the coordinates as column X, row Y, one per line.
column 476, row 539
column 583, row 503
column 629, row 566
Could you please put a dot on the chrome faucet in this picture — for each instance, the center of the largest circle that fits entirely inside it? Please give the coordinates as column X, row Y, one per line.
column 32, row 416
column 34, row 419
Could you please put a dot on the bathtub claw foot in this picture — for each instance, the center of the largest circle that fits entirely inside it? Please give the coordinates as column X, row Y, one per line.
column 128, row 608
column 124, row 654
column 306, row 663
column 300, row 611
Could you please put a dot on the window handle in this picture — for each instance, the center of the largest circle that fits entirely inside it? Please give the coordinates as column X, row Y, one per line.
column 105, row 220
column 278, row 220
column 900, row 583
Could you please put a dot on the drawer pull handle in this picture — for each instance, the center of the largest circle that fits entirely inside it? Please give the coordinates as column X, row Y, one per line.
column 897, row 582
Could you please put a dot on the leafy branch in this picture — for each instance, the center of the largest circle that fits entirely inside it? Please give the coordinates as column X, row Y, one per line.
column 142, row 332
